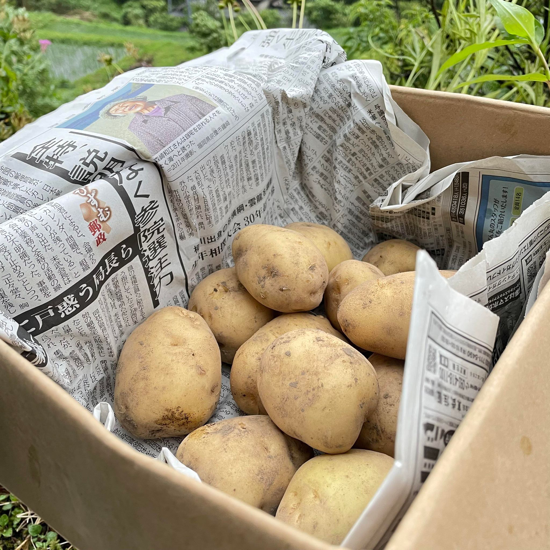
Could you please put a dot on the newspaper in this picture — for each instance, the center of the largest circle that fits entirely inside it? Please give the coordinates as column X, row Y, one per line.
column 123, row 200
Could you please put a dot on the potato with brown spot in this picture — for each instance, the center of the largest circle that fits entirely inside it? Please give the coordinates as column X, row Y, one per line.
column 379, row 430
column 342, row 280
column 393, row 256
column 332, row 245
column 168, row 376
column 230, row 311
column 247, row 457
column 282, row 269
column 317, row 389
column 328, row 493
column 246, row 365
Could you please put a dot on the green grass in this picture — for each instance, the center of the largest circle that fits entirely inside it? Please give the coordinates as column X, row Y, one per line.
column 338, row 34
column 160, row 48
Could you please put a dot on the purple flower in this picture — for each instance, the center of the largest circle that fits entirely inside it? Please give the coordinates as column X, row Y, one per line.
column 44, row 44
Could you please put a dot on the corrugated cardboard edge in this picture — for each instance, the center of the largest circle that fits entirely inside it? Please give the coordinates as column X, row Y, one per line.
column 100, row 493
column 495, row 127
column 491, row 487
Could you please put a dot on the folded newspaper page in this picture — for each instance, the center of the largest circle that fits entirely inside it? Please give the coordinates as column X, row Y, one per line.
column 122, row 201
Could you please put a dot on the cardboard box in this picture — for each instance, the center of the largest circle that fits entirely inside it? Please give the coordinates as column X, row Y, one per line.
column 490, row 489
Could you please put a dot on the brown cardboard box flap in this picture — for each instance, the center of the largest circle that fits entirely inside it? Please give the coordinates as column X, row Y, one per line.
column 491, row 487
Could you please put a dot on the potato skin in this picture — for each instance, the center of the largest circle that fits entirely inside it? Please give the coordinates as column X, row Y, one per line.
column 376, row 315
column 378, row 432
column 342, row 280
column 331, row 244
column 168, row 377
column 246, row 457
column 329, row 493
column 231, row 313
column 393, row 256
column 317, row 389
column 246, row 365
column 282, row 269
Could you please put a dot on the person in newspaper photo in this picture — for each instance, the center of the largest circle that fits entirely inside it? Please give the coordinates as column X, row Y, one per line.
column 158, row 123
column 148, row 116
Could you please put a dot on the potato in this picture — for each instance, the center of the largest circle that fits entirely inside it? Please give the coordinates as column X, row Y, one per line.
column 280, row 268
column 378, row 432
column 376, row 315
column 246, row 365
column 168, row 376
column 246, row 457
column 393, row 256
column 342, row 280
column 329, row 493
column 333, row 247
column 317, row 389
column 231, row 313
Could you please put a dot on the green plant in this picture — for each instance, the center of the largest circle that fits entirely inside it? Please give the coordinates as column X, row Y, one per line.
column 166, row 22
column 26, row 88
column 133, row 13
column 327, row 13
column 207, row 31
column 21, row 529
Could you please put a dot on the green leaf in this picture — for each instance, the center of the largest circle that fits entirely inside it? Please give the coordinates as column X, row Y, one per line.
column 517, row 20
column 4, row 520
column 463, row 54
column 51, row 536
column 8, row 532
column 7, row 506
column 3, row 497
column 531, row 77
column 35, row 529
column 539, row 31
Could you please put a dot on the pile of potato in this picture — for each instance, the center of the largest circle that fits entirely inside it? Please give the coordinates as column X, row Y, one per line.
column 304, row 385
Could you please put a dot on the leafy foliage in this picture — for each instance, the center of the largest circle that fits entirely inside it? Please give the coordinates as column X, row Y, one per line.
column 327, row 13
column 208, row 31
column 23, row 530
column 26, row 88
column 489, row 48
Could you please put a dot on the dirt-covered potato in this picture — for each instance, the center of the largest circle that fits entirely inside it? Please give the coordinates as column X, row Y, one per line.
column 393, row 256
column 280, row 268
column 317, row 389
column 329, row 493
column 376, row 315
column 246, row 457
column 168, row 376
column 231, row 313
column 378, row 432
column 333, row 246
column 246, row 365
column 342, row 280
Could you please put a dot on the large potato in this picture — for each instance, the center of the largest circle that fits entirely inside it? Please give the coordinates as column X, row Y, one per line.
column 328, row 493
column 247, row 457
column 168, row 376
column 281, row 268
column 317, row 389
column 378, row 432
column 393, row 256
column 342, row 280
column 231, row 313
column 332, row 245
column 246, row 365
column 376, row 315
